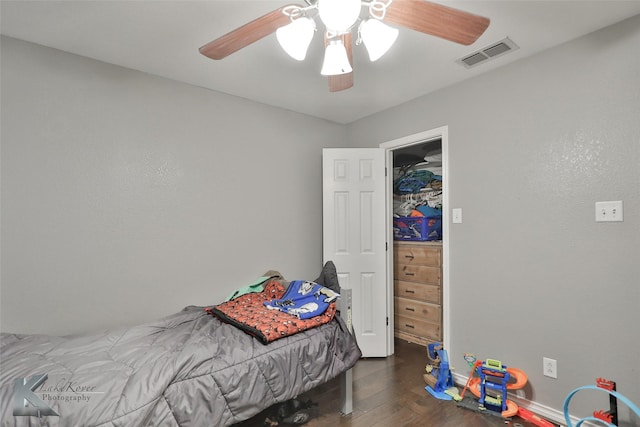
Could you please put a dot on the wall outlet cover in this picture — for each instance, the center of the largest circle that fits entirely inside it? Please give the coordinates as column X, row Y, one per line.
column 549, row 367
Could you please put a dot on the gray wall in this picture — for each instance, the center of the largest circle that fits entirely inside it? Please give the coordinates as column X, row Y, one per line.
column 126, row 197
column 532, row 147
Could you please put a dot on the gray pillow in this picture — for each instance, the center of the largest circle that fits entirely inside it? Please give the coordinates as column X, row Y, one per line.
column 329, row 277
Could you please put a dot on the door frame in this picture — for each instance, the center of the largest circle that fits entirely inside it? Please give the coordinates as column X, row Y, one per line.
column 441, row 133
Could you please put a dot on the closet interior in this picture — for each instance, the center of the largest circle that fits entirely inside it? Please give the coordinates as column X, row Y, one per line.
column 417, row 227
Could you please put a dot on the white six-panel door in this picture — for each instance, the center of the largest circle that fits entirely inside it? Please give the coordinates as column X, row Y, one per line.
column 354, row 227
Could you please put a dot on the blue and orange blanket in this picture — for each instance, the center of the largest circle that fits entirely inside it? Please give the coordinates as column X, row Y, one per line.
column 277, row 312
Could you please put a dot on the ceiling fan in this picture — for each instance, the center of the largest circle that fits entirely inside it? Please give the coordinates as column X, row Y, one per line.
column 295, row 25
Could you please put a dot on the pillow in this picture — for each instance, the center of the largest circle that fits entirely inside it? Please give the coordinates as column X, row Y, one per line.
column 329, row 277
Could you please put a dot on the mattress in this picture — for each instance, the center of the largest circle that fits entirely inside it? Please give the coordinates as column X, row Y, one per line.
column 186, row 369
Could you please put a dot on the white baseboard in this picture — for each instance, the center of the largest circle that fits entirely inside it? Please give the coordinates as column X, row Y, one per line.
column 551, row 414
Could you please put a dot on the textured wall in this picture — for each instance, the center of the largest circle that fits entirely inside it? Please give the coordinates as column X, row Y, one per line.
column 532, row 147
column 126, row 197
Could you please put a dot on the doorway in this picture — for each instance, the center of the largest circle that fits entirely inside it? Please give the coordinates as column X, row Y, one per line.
column 432, row 145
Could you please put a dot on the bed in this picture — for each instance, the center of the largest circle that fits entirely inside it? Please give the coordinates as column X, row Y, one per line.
column 187, row 369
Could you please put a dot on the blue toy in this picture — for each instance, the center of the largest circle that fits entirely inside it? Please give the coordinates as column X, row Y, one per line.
column 608, row 418
column 440, row 379
column 493, row 377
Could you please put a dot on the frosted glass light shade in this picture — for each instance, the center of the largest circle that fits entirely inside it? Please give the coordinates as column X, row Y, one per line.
column 377, row 37
column 295, row 37
column 339, row 15
column 336, row 60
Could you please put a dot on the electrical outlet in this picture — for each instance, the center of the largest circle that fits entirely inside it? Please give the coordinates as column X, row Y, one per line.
column 549, row 367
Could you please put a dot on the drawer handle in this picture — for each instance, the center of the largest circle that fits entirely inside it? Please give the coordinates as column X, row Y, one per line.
column 410, row 256
column 408, row 273
column 410, row 309
column 410, row 291
column 409, row 326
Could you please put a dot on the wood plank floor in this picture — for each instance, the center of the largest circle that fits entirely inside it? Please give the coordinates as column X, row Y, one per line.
column 389, row 392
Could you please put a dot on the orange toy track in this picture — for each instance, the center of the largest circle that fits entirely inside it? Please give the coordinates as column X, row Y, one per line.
column 521, row 379
column 533, row 418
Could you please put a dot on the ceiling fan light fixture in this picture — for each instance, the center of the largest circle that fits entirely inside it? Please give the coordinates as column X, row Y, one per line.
column 336, row 61
column 339, row 15
column 344, row 17
column 296, row 37
column 377, row 37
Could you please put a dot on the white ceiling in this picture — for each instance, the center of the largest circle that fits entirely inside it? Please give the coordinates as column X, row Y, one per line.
column 163, row 37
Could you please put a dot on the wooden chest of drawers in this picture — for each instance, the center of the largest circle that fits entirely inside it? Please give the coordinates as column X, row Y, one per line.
column 418, row 291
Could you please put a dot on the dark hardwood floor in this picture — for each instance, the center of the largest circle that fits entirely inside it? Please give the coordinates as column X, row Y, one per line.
column 390, row 392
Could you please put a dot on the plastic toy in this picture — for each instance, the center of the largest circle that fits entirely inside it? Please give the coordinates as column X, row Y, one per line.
column 473, row 363
column 438, row 378
column 495, row 377
column 533, row 418
column 608, row 418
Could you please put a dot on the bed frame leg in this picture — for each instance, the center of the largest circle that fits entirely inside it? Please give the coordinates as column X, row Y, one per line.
column 346, row 386
column 346, row 379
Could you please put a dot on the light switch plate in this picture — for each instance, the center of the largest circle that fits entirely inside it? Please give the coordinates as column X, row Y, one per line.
column 456, row 215
column 609, row 211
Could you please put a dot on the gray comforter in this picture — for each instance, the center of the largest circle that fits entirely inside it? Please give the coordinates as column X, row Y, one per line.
column 187, row 369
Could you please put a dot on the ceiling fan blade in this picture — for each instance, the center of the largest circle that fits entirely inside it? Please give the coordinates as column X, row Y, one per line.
column 245, row 35
column 435, row 19
column 342, row 81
